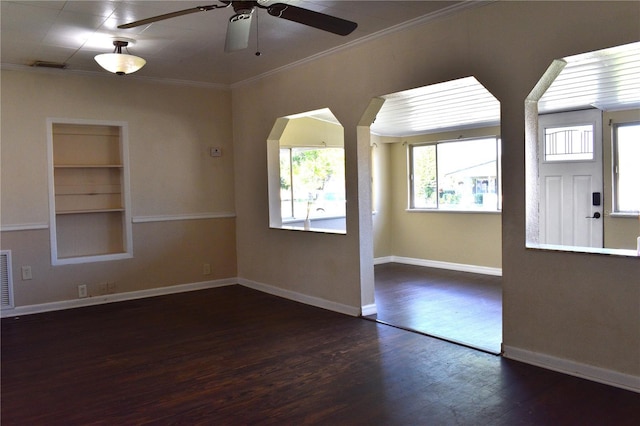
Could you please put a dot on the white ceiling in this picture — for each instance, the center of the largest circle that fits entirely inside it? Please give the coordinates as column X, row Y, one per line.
column 457, row 104
column 190, row 47
column 608, row 79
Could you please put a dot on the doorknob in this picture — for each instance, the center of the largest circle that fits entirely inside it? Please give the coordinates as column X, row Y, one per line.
column 596, row 215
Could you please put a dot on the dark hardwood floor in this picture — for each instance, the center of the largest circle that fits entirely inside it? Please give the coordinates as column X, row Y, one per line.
column 460, row 307
column 234, row 356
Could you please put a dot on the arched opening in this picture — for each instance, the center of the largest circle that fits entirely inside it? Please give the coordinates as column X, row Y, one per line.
column 306, row 173
column 436, row 200
column 583, row 155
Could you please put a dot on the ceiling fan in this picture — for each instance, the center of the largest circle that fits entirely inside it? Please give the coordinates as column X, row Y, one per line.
column 240, row 23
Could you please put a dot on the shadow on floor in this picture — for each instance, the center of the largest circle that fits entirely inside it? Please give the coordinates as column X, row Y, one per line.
column 459, row 307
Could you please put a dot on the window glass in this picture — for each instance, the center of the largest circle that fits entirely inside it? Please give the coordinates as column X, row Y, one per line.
column 312, row 182
column 569, row 143
column 627, row 170
column 460, row 175
column 424, row 183
column 306, row 173
column 286, row 190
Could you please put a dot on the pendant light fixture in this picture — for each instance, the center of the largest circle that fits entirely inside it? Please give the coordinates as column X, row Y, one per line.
column 118, row 62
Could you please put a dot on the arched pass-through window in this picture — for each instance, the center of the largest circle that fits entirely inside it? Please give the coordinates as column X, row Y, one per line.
column 306, row 170
column 583, row 150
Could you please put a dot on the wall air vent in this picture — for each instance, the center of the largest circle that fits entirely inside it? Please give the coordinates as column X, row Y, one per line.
column 45, row 64
column 6, row 281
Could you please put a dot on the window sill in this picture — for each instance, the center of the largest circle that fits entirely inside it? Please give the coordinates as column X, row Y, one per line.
column 312, row 219
column 576, row 249
column 312, row 229
column 624, row 215
column 453, row 211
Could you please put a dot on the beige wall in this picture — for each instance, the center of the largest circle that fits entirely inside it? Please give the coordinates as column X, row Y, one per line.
column 307, row 131
column 381, row 194
column 473, row 239
column 578, row 307
column 171, row 128
column 465, row 238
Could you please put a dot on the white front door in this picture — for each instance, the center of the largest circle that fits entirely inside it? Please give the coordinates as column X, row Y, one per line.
column 570, row 179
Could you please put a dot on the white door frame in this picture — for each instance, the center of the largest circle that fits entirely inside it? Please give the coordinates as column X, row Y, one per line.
column 568, row 215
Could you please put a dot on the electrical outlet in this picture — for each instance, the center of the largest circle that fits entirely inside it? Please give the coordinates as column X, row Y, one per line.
column 26, row 273
column 82, row 291
column 206, row 269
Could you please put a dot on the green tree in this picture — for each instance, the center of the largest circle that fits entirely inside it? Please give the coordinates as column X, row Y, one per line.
column 312, row 168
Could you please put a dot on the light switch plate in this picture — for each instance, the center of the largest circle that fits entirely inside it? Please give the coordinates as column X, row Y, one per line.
column 26, row 273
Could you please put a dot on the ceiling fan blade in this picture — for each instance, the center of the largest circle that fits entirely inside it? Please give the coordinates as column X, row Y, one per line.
column 238, row 32
column 311, row 18
column 170, row 15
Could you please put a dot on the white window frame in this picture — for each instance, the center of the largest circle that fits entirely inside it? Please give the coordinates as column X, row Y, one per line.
column 439, row 208
column 615, row 170
column 290, row 149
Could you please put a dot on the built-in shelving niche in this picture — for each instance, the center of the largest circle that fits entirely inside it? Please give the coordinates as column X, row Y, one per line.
column 89, row 191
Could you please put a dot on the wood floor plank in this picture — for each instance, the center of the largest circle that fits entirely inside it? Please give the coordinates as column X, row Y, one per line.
column 232, row 355
column 456, row 306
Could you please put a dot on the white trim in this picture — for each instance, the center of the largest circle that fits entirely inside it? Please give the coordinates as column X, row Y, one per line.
column 101, row 74
column 578, row 249
column 9, row 271
column 573, row 368
column 180, row 288
column 381, row 260
column 626, row 215
column 476, row 269
column 126, row 188
column 303, row 298
column 450, row 211
column 135, row 219
column 371, row 309
column 127, row 236
column 94, row 258
column 51, row 192
column 118, row 297
column 188, row 216
column 24, row 227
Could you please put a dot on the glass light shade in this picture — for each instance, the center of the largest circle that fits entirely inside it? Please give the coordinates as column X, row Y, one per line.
column 120, row 63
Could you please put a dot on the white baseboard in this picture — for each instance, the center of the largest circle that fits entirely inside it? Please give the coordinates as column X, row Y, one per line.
column 573, row 368
column 486, row 270
column 303, row 298
column 369, row 310
column 385, row 259
column 116, row 297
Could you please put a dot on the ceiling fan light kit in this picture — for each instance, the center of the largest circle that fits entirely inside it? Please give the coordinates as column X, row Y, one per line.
column 120, row 63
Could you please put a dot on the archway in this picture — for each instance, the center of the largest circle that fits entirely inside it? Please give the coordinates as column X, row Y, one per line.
column 435, row 160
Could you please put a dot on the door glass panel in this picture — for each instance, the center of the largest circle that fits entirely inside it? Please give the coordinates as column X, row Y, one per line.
column 569, row 143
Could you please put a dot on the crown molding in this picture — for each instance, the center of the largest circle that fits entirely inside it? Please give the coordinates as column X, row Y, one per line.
column 103, row 74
